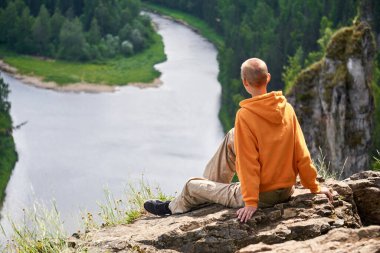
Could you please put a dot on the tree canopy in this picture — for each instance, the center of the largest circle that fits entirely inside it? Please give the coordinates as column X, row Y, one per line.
column 74, row 30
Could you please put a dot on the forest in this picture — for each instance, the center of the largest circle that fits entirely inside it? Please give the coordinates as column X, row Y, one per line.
column 79, row 30
column 289, row 35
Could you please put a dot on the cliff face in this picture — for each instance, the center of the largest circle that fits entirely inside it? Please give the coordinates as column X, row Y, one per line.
column 334, row 103
column 306, row 217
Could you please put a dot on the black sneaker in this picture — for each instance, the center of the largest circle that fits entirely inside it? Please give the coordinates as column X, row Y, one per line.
column 157, row 207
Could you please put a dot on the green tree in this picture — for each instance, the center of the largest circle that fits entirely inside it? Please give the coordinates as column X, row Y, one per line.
column 125, row 32
column 291, row 71
column 137, row 39
column 88, row 13
column 20, row 6
column 325, row 31
column 107, row 17
column 42, row 32
column 56, row 23
column 24, row 40
column 8, row 25
column 72, row 41
column 127, row 48
column 8, row 155
column 110, row 46
column 4, row 92
column 93, row 35
column 133, row 7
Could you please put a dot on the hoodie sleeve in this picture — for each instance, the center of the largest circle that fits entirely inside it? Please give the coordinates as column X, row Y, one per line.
column 247, row 161
column 305, row 166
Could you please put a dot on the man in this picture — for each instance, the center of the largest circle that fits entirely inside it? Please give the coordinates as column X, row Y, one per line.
column 266, row 148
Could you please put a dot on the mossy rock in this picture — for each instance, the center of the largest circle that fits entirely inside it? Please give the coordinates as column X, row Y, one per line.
column 303, row 89
column 338, row 78
column 307, row 76
column 347, row 42
column 336, row 48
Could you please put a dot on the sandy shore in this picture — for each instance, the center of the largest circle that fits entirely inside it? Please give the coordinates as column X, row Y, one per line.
column 74, row 87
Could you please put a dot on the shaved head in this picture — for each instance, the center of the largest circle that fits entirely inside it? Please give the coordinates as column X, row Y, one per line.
column 254, row 71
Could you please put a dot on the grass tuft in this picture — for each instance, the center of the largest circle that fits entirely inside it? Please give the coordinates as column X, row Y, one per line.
column 376, row 163
column 323, row 167
column 40, row 231
column 124, row 211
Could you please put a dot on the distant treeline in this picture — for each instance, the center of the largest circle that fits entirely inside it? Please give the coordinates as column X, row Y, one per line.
column 74, row 29
column 272, row 30
column 8, row 155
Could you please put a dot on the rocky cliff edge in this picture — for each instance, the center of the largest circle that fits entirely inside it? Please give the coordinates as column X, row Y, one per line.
column 303, row 224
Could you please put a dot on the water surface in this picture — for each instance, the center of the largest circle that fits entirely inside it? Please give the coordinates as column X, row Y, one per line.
column 75, row 144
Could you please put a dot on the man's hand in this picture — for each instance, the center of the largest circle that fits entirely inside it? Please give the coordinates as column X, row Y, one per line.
column 327, row 192
column 245, row 213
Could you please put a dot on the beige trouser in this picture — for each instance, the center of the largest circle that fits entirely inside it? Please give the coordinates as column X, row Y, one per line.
column 215, row 186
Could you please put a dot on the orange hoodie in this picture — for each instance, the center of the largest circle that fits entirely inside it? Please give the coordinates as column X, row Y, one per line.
column 270, row 147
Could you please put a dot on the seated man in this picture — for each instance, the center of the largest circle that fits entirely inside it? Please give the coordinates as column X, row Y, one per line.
column 266, row 149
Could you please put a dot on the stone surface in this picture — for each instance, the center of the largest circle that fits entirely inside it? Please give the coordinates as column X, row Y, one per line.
column 216, row 229
column 363, row 240
column 366, row 192
column 334, row 102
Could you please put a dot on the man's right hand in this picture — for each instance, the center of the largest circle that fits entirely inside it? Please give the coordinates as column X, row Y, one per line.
column 327, row 192
column 245, row 213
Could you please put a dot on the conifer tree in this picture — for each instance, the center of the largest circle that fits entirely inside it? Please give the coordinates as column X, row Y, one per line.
column 72, row 40
column 42, row 31
column 93, row 35
column 24, row 41
column 56, row 23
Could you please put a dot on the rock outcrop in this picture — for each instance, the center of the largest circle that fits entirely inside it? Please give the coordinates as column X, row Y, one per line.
column 366, row 192
column 363, row 240
column 216, row 229
column 334, row 102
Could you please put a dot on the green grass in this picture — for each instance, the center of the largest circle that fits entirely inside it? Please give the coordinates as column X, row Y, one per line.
column 41, row 229
column 323, row 167
column 376, row 162
column 125, row 210
column 118, row 71
column 199, row 25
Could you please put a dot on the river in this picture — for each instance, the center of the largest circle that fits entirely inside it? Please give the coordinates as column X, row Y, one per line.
column 76, row 144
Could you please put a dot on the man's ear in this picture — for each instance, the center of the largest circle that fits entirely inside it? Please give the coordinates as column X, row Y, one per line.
column 268, row 78
column 245, row 82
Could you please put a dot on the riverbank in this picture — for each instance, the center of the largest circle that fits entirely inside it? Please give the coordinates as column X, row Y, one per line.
column 194, row 23
column 202, row 28
column 137, row 70
column 74, row 87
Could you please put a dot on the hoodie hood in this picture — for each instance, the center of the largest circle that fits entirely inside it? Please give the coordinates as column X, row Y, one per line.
column 269, row 106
